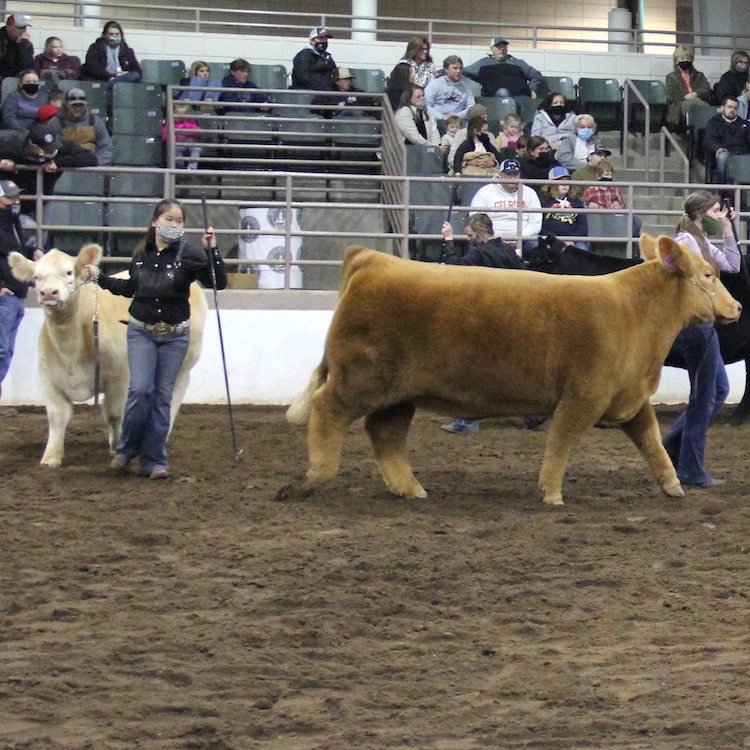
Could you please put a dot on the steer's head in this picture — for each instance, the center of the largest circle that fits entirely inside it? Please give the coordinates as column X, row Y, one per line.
column 56, row 276
column 713, row 301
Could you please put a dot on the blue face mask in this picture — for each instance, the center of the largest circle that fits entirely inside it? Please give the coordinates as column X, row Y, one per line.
column 585, row 133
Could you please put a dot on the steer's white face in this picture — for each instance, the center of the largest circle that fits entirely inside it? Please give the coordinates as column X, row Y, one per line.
column 54, row 278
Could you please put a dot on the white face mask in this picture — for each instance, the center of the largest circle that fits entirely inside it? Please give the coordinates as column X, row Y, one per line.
column 169, row 234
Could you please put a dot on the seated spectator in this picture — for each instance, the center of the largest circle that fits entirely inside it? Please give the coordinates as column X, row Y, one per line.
column 553, row 120
column 110, row 58
column 483, row 250
column 506, row 194
column 77, row 124
column 510, row 131
column 343, row 80
column 400, row 78
column 415, row 121
column 240, row 89
column 452, row 126
column 537, row 159
column 477, row 109
column 477, row 139
column 199, row 75
column 480, row 164
column 587, row 173
column 56, row 98
column 563, row 221
column 16, row 49
column 736, row 80
column 313, row 67
column 46, row 112
column 20, row 106
column 54, row 65
column 726, row 134
column 573, row 149
column 417, row 56
column 187, row 136
column 504, row 75
column 604, row 195
column 41, row 147
column 447, row 95
column 685, row 87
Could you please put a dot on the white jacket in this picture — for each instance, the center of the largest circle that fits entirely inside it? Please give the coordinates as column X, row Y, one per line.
column 405, row 122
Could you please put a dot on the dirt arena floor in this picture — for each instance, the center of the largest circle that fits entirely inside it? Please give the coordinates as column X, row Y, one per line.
column 210, row 612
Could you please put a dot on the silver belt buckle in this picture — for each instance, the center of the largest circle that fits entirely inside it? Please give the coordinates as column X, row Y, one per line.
column 162, row 329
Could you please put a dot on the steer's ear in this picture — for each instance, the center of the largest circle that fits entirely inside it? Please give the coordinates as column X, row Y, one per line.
column 674, row 256
column 648, row 246
column 21, row 267
column 88, row 255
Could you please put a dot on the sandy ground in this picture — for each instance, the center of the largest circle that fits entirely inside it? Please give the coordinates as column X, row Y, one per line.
column 205, row 613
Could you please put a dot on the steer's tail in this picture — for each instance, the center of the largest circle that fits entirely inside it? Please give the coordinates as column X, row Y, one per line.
column 301, row 406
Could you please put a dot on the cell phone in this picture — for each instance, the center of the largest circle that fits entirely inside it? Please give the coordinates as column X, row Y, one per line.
column 726, row 203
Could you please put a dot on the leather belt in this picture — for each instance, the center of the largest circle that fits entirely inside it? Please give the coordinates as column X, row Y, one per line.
column 161, row 328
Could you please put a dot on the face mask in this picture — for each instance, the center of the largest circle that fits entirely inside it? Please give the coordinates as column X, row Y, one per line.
column 169, row 234
column 558, row 110
column 421, row 105
column 585, row 133
column 605, row 179
column 711, row 226
column 742, row 68
column 30, row 88
column 321, row 46
column 114, row 41
column 543, row 158
column 685, row 65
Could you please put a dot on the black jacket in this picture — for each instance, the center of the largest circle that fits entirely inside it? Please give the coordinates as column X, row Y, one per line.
column 311, row 70
column 494, row 253
column 14, row 56
column 733, row 136
column 468, row 146
column 9, row 242
column 731, row 83
column 95, row 67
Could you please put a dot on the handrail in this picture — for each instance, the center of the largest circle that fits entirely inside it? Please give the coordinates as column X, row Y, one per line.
column 628, row 86
column 664, row 136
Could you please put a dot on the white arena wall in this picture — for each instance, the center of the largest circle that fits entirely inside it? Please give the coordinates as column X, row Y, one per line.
column 270, row 356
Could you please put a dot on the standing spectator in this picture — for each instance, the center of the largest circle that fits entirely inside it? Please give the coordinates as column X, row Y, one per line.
column 12, row 291
column 77, row 124
column 240, row 89
column 553, row 120
column 573, row 149
column 415, row 121
column 53, row 64
column 505, row 196
column 21, row 106
column 685, row 87
column 110, row 58
column 727, row 134
column 187, row 137
column 477, row 139
column 400, row 78
column 447, row 95
column 313, row 67
column 504, row 75
column 735, row 81
column 16, row 49
column 698, row 345
column 162, row 269
column 563, row 220
column 417, row 56
column 199, row 75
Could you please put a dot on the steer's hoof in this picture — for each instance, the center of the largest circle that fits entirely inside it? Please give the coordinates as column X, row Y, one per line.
column 673, row 490
column 555, row 499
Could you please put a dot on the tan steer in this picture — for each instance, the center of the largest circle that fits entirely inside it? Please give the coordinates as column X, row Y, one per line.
column 479, row 342
column 66, row 348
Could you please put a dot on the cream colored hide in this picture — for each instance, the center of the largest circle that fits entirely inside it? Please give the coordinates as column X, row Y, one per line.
column 479, row 342
column 66, row 348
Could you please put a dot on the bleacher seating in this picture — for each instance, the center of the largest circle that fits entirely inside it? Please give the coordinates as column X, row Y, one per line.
column 601, row 98
column 164, row 72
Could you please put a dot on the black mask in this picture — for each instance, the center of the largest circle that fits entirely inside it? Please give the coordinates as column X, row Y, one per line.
column 30, row 88
column 685, row 65
column 321, row 46
column 605, row 179
column 558, row 110
column 543, row 158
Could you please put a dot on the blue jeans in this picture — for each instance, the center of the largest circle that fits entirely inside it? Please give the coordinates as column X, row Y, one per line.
column 131, row 77
column 154, row 362
column 11, row 312
column 685, row 442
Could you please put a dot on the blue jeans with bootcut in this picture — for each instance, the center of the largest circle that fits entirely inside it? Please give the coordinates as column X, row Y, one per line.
column 685, row 441
column 11, row 312
column 154, row 362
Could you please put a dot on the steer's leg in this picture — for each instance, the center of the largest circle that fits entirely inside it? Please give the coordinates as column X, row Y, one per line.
column 643, row 430
column 325, row 434
column 570, row 420
column 388, row 429
column 113, row 407
column 59, row 412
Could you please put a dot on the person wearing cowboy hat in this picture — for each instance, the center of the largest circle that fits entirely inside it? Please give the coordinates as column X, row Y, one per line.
column 313, row 67
column 16, row 49
column 343, row 80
